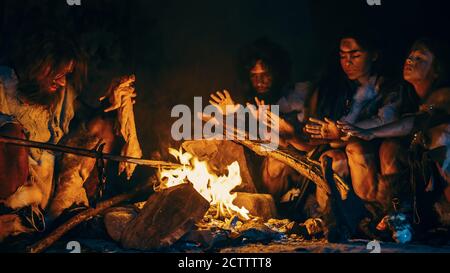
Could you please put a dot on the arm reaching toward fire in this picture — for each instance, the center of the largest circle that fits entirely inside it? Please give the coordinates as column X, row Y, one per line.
column 287, row 132
column 402, row 127
column 223, row 101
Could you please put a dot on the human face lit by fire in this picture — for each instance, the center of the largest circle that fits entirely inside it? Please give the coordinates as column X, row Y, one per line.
column 355, row 61
column 261, row 77
column 418, row 67
column 52, row 81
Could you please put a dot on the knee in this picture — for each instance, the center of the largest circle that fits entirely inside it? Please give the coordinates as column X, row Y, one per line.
column 392, row 157
column 339, row 162
column 275, row 178
column 389, row 148
column 364, row 192
column 336, row 155
column 101, row 127
column 362, row 159
column 355, row 148
column 273, row 167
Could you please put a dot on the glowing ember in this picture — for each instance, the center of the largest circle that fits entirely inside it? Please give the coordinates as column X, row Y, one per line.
column 215, row 189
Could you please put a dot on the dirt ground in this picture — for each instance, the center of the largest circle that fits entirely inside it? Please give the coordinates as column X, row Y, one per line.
column 282, row 246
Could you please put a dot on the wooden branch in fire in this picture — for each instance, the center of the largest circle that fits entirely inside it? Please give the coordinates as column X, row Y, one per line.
column 306, row 167
column 84, row 216
column 303, row 165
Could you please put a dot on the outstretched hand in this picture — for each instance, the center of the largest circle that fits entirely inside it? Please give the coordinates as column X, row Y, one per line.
column 223, row 101
column 326, row 129
column 264, row 114
column 351, row 130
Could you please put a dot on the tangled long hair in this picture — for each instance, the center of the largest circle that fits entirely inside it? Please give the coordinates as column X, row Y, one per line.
column 42, row 56
column 274, row 57
column 335, row 90
column 441, row 61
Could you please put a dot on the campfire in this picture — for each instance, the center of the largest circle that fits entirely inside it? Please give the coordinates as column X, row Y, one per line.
column 215, row 189
column 196, row 202
column 189, row 201
column 193, row 205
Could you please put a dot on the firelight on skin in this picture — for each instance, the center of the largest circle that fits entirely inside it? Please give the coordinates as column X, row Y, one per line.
column 355, row 61
column 418, row 70
column 51, row 82
column 260, row 77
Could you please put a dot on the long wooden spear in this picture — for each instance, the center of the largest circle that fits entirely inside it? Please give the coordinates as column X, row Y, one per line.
column 87, row 153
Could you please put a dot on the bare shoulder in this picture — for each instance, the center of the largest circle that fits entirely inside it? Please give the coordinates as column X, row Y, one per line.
column 440, row 94
column 440, row 98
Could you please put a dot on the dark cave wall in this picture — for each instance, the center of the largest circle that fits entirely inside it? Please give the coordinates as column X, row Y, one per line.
column 196, row 43
column 179, row 49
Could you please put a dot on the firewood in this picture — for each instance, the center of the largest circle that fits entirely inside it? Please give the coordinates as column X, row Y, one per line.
column 84, row 216
column 220, row 154
column 256, row 231
column 261, row 205
column 206, row 238
column 117, row 219
column 302, row 164
column 167, row 216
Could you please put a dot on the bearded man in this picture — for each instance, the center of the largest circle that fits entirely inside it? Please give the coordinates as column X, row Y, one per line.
column 38, row 101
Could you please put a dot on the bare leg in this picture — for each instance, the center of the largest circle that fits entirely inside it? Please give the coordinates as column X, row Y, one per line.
column 75, row 170
column 275, row 177
column 363, row 164
column 394, row 178
column 393, row 157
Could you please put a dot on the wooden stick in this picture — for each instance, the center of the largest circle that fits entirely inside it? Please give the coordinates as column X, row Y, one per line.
column 84, row 216
column 304, row 166
column 308, row 168
column 87, row 153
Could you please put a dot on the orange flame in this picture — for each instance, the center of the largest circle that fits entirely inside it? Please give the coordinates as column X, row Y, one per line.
column 215, row 189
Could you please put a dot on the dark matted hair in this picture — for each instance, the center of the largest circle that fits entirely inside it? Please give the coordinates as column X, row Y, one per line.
column 273, row 55
column 441, row 62
column 369, row 41
column 35, row 56
column 335, row 90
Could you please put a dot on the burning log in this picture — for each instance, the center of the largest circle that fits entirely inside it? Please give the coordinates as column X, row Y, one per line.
column 220, row 154
column 166, row 217
column 261, row 205
column 303, row 165
column 83, row 216
column 117, row 219
column 215, row 189
column 253, row 232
